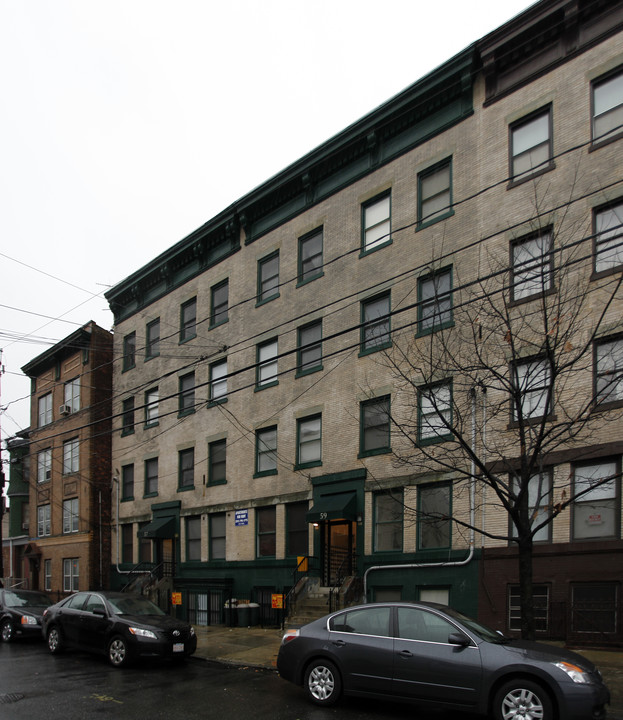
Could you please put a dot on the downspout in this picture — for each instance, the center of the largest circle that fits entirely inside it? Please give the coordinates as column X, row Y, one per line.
column 472, row 516
column 100, row 538
column 121, row 572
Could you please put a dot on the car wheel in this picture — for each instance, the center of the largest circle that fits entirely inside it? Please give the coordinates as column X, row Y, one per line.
column 118, row 655
column 55, row 640
column 323, row 683
column 522, row 700
column 6, row 631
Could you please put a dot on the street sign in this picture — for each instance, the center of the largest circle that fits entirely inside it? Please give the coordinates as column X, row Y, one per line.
column 176, row 598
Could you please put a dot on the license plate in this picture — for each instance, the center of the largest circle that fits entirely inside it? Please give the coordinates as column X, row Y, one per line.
column 178, row 647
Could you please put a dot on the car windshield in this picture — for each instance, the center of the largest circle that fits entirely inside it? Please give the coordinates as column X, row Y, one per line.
column 482, row 631
column 17, row 599
column 134, row 606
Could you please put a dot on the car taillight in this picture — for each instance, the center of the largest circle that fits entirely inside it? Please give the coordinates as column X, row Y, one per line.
column 289, row 635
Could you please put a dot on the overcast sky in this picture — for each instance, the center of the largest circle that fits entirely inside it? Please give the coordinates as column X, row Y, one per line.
column 127, row 124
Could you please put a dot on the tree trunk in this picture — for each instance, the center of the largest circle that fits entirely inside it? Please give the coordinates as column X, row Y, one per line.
column 528, row 628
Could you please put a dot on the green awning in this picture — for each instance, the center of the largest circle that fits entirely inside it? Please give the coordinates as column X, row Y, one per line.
column 333, row 507
column 158, row 528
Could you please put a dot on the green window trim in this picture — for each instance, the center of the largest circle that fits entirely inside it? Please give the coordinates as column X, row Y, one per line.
column 310, row 264
column 186, row 469
column 429, row 195
column 442, row 525
column 375, row 331
column 370, row 412
column 268, row 278
column 305, row 447
column 441, row 302
column 219, row 304
column 376, row 223
column 266, row 452
column 308, row 349
column 217, row 462
column 188, row 320
column 426, row 409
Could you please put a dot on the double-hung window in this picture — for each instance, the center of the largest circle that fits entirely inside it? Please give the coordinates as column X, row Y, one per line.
column 188, row 320
column 435, row 301
column 309, row 441
column 268, row 278
column 309, row 348
column 388, row 520
column 596, row 500
column 608, row 237
column 151, row 407
column 267, row 353
column 609, row 371
column 217, row 462
column 129, row 351
column 531, row 146
column 266, row 451
column 435, row 412
column 152, row 339
column 71, row 574
column 266, row 526
column 127, row 482
column 310, row 256
column 127, row 416
column 72, row 395
column 539, row 500
column 608, row 107
column 71, row 456
column 531, row 265
column 532, row 396
column 297, row 537
column 186, row 469
column 151, row 477
column 435, row 193
column 44, row 465
column 219, row 303
column 217, row 536
column 218, row 381
column 193, row 538
column 187, row 394
column 43, row 520
column 375, row 426
column 434, row 516
column 375, row 324
column 45, row 409
column 70, row 516
column 376, row 223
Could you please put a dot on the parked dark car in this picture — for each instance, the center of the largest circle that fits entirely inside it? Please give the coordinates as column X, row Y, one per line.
column 431, row 654
column 122, row 626
column 20, row 613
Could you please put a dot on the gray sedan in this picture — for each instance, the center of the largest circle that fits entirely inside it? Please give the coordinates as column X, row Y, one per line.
column 431, row 654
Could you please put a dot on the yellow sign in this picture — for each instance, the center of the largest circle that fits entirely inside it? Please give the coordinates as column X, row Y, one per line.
column 176, row 598
column 301, row 565
column 277, row 601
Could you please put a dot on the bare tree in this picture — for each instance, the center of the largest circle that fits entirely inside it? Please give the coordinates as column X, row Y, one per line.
column 513, row 369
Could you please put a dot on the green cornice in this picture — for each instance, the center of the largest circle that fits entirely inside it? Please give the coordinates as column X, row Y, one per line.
column 438, row 101
column 78, row 340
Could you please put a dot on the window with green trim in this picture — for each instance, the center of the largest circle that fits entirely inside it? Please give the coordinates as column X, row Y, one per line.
column 376, row 223
column 388, row 521
column 219, row 305
column 310, row 256
column 375, row 323
column 127, row 416
column 217, row 462
column 266, row 451
column 435, row 193
column 266, row 527
column 151, row 477
column 297, row 529
column 607, row 96
column 375, row 426
column 218, row 522
column 268, row 278
column 435, row 412
column 151, row 407
column 309, row 441
column 188, row 320
column 186, row 469
column 266, row 372
column 186, row 394
column 435, row 301
column 309, row 348
column 218, row 381
column 193, row 538
column 434, row 516
column 129, row 351
column 127, row 482
column 152, row 341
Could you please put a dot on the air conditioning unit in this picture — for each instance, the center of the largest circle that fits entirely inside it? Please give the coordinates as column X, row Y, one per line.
column 65, row 409
column 25, row 526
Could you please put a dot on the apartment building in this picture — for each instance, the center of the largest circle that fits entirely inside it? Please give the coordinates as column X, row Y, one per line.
column 69, row 458
column 362, row 360
column 16, row 534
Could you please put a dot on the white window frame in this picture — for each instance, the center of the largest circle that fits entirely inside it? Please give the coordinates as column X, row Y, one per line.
column 71, row 456
column 44, row 520
column 152, row 399
column 609, row 371
column 608, row 236
column 71, row 516
column 218, row 381
column 532, row 379
column 435, row 412
column 45, row 409
column 72, row 394
column 267, row 367
column 531, row 265
column 44, row 465
column 602, row 499
column 607, row 104
column 525, row 147
column 71, row 574
column 377, row 222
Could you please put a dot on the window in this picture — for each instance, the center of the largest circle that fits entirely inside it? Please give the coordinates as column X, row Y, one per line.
column 309, row 441
column 531, row 145
column 375, row 324
column 363, row 621
column 187, row 394
column 152, row 344
column 188, row 320
column 152, row 398
column 266, row 451
column 374, row 426
column 71, row 574
column 388, row 514
column 268, row 278
column 151, row 477
column 434, row 301
column 297, row 536
column 266, row 531
column 127, row 416
column 127, row 543
column 310, row 256
column 72, row 395
column 71, row 456
column 43, row 521
column 531, row 382
column 218, row 381
column 47, row 575
column 594, row 608
column 609, row 371
column 376, row 223
column 266, row 374
column 144, row 545
column 608, row 237
column 309, row 348
column 540, row 598
column 539, row 502
column 435, row 412
column 45, row 409
column 219, row 303
column 531, row 265
column 217, row 462
column 70, row 516
column 44, row 465
column 217, row 536
column 608, row 107
column 422, row 625
column 595, row 508
column 129, row 351
column 193, row 538
column 435, row 193
column 434, row 515
column 186, row 469
column 127, row 482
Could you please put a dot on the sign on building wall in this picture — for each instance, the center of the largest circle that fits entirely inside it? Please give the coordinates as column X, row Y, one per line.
column 242, row 517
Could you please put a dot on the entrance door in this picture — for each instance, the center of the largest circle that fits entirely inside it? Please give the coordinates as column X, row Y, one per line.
column 339, row 546
column 164, row 556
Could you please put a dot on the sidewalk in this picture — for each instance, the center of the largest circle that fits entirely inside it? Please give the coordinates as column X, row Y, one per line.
column 258, row 647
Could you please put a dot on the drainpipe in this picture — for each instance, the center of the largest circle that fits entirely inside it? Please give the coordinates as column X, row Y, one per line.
column 121, row 572
column 472, row 516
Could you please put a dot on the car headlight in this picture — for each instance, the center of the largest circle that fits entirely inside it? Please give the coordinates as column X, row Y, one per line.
column 192, row 631
column 574, row 672
column 141, row 632
column 29, row 620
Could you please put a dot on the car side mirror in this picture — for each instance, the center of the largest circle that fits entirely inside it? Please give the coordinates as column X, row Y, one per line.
column 459, row 638
column 100, row 611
